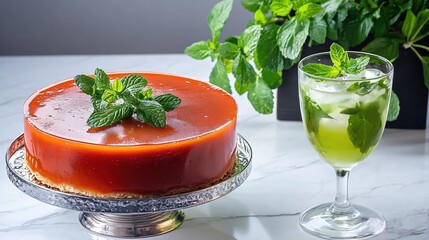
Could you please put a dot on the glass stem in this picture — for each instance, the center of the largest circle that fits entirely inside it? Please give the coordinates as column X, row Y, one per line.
column 342, row 204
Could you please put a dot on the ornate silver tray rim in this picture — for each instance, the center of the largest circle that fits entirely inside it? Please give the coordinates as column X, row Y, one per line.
column 22, row 178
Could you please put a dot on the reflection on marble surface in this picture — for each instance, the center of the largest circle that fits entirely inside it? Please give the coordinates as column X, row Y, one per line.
column 287, row 176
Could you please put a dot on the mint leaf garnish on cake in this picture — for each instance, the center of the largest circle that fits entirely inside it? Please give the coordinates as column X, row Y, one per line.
column 118, row 99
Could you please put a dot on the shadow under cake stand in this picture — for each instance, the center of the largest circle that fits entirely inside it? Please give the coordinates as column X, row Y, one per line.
column 134, row 217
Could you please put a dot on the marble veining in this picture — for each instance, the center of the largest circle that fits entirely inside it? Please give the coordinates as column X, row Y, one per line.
column 287, row 176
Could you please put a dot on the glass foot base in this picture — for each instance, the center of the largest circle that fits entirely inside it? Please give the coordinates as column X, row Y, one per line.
column 362, row 223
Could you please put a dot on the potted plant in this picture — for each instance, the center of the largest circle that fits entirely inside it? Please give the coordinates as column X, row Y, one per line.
column 283, row 31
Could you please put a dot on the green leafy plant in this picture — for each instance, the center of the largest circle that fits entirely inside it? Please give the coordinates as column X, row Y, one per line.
column 120, row 99
column 274, row 38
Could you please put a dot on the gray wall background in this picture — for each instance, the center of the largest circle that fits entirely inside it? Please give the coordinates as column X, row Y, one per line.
column 43, row 27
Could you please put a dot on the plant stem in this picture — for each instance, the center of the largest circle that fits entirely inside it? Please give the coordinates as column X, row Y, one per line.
column 421, row 46
column 421, row 37
column 341, row 205
column 407, row 45
column 417, row 53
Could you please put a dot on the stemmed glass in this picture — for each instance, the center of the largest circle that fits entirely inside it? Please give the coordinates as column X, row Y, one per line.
column 344, row 119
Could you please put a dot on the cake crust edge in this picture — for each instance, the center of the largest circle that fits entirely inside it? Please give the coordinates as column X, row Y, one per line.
column 65, row 188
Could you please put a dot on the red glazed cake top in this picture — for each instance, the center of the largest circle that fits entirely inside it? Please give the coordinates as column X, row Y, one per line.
column 62, row 110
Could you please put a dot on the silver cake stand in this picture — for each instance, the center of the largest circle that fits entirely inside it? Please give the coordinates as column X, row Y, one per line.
column 134, row 217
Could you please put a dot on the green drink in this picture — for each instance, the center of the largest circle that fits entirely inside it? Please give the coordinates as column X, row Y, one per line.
column 344, row 99
column 344, row 119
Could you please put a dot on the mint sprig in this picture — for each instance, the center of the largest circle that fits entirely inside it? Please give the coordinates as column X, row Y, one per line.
column 120, row 99
column 342, row 64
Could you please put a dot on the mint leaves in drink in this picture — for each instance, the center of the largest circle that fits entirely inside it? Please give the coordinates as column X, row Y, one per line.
column 313, row 114
column 342, row 64
column 364, row 125
column 119, row 99
column 364, row 101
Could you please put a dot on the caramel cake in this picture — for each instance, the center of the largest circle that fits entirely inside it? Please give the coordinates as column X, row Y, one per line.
column 195, row 149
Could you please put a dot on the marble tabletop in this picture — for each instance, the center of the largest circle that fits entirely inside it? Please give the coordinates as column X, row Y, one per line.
column 287, row 177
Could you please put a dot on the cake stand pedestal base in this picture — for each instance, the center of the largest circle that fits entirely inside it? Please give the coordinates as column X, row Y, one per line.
column 132, row 225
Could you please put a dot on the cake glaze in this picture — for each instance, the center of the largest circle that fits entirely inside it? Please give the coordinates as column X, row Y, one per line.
column 130, row 158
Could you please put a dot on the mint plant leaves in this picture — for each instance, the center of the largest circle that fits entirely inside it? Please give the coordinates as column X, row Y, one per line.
column 217, row 18
column 272, row 79
column 268, row 54
column 281, row 7
column 229, row 50
column 134, row 99
column 318, row 30
column 307, row 11
column 292, row 36
column 251, row 5
column 260, row 38
column 199, row 50
column 219, row 76
column 244, row 73
column 414, row 29
column 249, row 39
column 261, row 96
column 386, row 47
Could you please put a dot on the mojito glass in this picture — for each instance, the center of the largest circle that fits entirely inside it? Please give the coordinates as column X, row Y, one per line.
column 344, row 118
